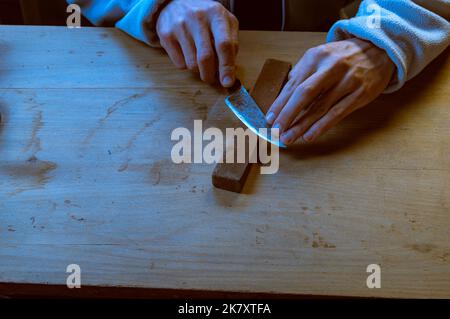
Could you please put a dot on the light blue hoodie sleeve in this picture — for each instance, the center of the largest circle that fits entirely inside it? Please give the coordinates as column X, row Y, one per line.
column 135, row 17
column 413, row 33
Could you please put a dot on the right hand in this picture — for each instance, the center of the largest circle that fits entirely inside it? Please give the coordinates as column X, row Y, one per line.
column 201, row 35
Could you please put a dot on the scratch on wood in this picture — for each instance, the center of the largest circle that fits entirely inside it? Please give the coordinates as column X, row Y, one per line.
column 136, row 135
column 156, row 174
column 78, row 219
column 35, row 141
column 262, row 229
column 69, row 203
column 123, row 167
column 200, row 107
column 113, row 108
column 31, row 101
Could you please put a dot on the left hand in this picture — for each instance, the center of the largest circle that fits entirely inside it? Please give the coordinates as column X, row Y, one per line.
column 328, row 83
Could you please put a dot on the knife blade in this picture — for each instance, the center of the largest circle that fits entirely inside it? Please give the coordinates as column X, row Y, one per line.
column 248, row 112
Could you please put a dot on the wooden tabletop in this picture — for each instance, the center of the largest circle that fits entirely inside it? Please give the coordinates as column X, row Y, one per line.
column 86, row 178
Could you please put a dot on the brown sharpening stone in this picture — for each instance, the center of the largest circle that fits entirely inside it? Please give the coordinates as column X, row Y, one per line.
column 273, row 76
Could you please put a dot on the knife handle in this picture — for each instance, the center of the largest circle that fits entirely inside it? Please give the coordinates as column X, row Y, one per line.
column 236, row 87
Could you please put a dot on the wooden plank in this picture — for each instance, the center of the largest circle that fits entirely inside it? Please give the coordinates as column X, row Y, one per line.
column 232, row 176
column 127, row 62
column 102, row 191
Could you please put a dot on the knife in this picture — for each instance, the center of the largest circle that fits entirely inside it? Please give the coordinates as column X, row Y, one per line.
column 245, row 108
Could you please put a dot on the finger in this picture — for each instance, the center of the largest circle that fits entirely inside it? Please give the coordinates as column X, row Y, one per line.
column 336, row 114
column 303, row 70
column 316, row 111
column 305, row 67
column 173, row 49
column 187, row 46
column 283, row 98
column 234, row 25
column 226, row 47
column 206, row 59
column 303, row 96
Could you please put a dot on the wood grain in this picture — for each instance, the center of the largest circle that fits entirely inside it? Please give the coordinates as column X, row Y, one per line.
column 86, row 177
column 270, row 82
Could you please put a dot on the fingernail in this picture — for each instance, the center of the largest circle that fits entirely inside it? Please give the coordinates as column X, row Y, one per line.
column 227, row 81
column 270, row 117
column 287, row 137
column 308, row 136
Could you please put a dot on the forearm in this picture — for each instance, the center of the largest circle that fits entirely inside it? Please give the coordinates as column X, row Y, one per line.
column 104, row 12
column 135, row 17
column 412, row 33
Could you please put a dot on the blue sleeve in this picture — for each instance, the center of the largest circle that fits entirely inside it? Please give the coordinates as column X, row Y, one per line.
column 135, row 17
column 411, row 34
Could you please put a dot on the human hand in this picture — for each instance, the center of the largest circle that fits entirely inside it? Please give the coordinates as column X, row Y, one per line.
column 201, row 35
column 328, row 83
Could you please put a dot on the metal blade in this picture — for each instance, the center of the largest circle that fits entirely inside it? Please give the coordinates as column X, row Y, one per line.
column 246, row 109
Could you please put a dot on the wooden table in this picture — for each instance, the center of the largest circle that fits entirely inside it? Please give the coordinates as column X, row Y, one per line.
column 86, row 178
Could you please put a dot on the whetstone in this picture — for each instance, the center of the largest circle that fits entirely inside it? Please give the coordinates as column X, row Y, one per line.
column 273, row 76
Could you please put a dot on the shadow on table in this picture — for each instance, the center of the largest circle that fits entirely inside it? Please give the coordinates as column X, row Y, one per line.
column 47, row 291
column 357, row 128
column 135, row 50
column 3, row 109
column 381, row 114
column 3, row 118
column 352, row 132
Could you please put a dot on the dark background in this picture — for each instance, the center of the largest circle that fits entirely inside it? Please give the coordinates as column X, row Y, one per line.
column 34, row 12
column 53, row 12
